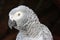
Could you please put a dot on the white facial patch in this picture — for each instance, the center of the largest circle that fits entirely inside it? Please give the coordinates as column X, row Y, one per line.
column 16, row 16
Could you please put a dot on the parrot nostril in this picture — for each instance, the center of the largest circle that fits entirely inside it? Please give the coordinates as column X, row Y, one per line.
column 11, row 17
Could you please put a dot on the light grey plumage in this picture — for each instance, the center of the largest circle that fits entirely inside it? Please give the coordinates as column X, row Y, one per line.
column 26, row 21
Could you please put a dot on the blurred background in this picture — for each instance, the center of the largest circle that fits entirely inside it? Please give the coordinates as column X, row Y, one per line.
column 48, row 12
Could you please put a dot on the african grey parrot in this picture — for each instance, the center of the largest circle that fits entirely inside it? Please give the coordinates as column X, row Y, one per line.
column 26, row 21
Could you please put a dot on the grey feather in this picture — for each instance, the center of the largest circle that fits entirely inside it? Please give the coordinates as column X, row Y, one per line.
column 29, row 25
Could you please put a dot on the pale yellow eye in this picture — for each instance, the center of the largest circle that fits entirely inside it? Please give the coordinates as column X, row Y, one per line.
column 18, row 14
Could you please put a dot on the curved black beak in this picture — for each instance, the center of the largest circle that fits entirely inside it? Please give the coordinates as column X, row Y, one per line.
column 12, row 23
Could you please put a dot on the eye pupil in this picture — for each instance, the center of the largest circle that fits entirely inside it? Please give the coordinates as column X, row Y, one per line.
column 18, row 14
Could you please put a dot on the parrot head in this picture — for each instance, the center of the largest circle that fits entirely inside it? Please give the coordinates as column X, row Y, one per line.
column 19, row 16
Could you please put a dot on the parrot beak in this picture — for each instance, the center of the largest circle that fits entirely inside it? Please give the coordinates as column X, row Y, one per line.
column 12, row 23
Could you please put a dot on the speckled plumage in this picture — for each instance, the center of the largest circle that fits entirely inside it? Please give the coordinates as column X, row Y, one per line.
column 28, row 24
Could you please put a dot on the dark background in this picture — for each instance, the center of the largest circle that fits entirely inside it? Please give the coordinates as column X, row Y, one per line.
column 48, row 12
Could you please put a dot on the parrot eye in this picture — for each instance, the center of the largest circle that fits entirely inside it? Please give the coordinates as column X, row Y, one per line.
column 18, row 14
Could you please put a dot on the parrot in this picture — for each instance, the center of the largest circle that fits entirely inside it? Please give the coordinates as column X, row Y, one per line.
column 26, row 21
